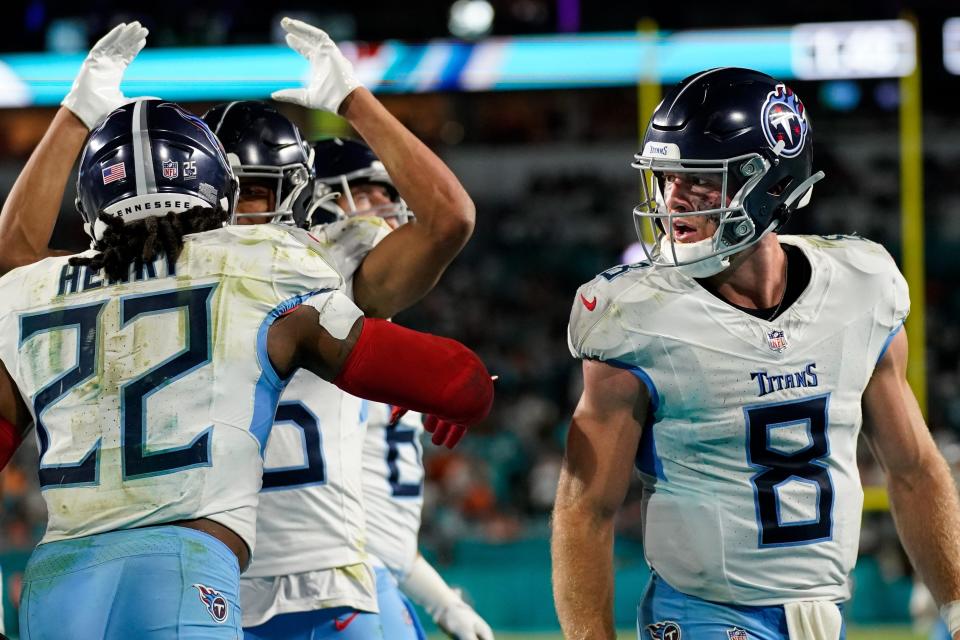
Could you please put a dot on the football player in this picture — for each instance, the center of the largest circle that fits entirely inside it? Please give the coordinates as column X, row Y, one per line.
column 311, row 575
column 153, row 364
column 362, row 191
column 270, row 159
column 734, row 366
column 308, row 584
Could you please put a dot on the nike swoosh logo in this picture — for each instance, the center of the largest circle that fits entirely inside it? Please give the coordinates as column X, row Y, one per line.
column 589, row 304
column 340, row 625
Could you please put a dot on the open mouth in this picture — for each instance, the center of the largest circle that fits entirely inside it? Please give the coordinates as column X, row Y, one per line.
column 684, row 231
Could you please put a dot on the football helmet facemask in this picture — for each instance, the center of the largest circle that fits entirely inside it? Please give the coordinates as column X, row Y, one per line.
column 749, row 131
column 341, row 163
column 263, row 144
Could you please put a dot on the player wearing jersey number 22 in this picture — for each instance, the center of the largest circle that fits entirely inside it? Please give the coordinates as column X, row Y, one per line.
column 732, row 366
column 228, row 313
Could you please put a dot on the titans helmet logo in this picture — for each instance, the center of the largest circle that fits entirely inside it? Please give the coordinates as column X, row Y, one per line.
column 783, row 119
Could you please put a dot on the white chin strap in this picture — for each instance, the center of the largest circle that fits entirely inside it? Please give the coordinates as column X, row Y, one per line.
column 704, row 267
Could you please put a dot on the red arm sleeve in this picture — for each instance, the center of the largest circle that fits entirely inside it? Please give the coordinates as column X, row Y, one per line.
column 417, row 371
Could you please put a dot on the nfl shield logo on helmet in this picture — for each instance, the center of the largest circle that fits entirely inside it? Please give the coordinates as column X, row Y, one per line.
column 215, row 603
column 667, row 630
column 784, row 120
column 737, row 634
column 776, row 340
column 170, row 169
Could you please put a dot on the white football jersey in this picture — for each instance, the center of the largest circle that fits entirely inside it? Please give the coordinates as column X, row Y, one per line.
column 310, row 525
column 751, row 489
column 153, row 397
column 393, row 487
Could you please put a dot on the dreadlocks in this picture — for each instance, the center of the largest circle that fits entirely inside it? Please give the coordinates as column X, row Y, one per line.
column 144, row 240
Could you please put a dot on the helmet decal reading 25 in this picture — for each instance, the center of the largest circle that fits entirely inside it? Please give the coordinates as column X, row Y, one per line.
column 784, row 120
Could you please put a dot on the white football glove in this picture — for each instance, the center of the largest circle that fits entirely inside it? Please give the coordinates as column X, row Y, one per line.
column 96, row 89
column 459, row 621
column 331, row 74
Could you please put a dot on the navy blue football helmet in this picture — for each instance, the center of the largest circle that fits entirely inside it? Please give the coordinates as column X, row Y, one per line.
column 264, row 144
column 340, row 163
column 748, row 129
column 150, row 157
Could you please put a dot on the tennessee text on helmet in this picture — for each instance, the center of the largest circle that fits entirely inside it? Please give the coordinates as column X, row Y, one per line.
column 749, row 131
column 340, row 163
column 147, row 158
column 264, row 144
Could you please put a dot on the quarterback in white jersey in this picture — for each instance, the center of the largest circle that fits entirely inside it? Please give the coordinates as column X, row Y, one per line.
column 732, row 368
column 752, row 493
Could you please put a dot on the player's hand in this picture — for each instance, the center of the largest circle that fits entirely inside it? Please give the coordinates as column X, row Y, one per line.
column 96, row 89
column 459, row 621
column 331, row 74
column 444, row 433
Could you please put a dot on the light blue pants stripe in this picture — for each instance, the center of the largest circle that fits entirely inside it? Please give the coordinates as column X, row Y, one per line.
column 397, row 615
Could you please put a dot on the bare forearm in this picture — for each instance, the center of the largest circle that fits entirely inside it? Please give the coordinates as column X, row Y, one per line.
column 425, row 182
column 30, row 212
column 927, row 513
column 582, row 554
column 409, row 262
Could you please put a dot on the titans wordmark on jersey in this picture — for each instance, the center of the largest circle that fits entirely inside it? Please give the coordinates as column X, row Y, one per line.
column 310, row 524
column 751, row 488
column 153, row 396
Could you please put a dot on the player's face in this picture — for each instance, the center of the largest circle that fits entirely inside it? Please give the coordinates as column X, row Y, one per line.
column 370, row 196
column 256, row 196
column 690, row 192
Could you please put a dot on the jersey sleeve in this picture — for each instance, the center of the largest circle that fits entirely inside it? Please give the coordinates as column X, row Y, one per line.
column 301, row 262
column 895, row 304
column 348, row 242
column 595, row 331
column 899, row 296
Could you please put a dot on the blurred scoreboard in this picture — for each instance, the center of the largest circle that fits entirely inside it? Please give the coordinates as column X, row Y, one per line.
column 814, row 51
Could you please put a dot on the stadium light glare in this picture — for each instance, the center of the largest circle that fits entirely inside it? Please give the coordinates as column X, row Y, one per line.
column 471, row 19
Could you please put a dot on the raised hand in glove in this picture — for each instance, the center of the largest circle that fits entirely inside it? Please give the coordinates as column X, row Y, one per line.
column 96, row 89
column 331, row 74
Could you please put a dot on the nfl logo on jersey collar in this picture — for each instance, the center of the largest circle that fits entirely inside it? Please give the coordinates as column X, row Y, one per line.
column 776, row 340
